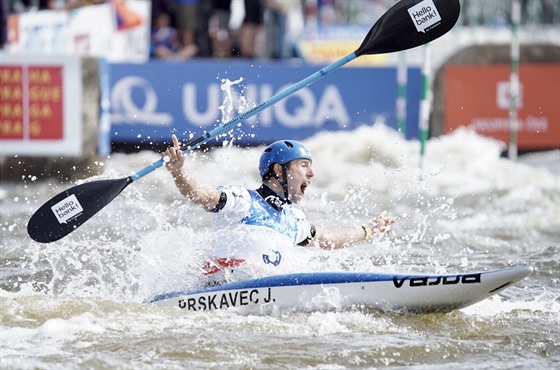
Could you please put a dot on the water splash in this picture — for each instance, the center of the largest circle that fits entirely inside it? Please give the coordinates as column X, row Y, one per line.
column 234, row 103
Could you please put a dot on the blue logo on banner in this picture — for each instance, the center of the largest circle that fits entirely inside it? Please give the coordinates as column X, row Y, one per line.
column 151, row 101
column 139, row 109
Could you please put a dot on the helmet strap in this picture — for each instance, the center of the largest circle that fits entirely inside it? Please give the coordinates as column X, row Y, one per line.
column 283, row 181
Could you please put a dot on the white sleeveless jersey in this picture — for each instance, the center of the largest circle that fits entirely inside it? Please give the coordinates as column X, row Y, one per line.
column 249, row 228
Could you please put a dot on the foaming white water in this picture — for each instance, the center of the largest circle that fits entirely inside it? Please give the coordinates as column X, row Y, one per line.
column 468, row 199
column 77, row 302
column 496, row 305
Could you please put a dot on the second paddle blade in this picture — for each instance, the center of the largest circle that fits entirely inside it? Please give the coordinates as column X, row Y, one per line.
column 410, row 23
column 68, row 210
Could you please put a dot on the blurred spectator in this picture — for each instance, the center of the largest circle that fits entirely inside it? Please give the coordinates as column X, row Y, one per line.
column 202, row 36
column 276, row 13
column 4, row 11
column 326, row 10
column 73, row 4
column 251, row 27
column 162, row 6
column 218, row 29
column 164, row 41
column 550, row 12
column 371, row 12
column 186, row 18
column 284, row 22
column 55, row 4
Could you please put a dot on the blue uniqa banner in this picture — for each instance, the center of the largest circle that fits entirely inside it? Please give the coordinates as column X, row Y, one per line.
column 148, row 102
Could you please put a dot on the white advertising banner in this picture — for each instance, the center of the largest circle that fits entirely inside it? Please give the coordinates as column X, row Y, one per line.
column 40, row 106
column 118, row 30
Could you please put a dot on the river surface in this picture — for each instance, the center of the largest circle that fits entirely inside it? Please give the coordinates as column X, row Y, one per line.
column 78, row 303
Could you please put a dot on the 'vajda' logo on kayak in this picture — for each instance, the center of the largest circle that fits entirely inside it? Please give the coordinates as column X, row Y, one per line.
column 425, row 15
column 67, row 209
column 437, row 280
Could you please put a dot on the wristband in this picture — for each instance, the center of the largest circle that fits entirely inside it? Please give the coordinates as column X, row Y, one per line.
column 367, row 231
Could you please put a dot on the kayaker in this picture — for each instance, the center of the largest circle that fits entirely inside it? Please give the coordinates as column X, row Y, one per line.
column 286, row 171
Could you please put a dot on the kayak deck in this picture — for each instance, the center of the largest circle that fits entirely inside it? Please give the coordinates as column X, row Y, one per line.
column 414, row 293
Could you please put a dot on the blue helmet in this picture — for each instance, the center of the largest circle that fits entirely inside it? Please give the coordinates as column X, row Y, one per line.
column 282, row 152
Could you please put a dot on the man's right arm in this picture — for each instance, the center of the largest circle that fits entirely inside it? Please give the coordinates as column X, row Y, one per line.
column 205, row 196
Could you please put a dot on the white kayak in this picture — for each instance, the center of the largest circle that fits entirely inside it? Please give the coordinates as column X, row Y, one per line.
column 413, row 293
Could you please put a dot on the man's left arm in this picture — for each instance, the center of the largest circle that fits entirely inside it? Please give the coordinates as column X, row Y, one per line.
column 342, row 237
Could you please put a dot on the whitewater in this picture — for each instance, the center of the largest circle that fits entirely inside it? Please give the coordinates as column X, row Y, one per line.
column 79, row 302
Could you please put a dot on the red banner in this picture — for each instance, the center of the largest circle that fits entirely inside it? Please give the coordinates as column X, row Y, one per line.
column 31, row 104
column 40, row 105
column 477, row 96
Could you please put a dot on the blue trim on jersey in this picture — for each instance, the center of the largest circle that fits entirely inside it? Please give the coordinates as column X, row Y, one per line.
column 261, row 213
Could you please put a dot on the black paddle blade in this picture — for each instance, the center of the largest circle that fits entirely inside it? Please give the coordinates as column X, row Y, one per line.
column 410, row 23
column 68, row 210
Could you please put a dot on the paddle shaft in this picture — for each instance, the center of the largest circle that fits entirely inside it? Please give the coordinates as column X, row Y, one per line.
column 193, row 144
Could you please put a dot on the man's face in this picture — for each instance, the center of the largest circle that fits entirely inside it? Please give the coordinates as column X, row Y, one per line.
column 300, row 172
